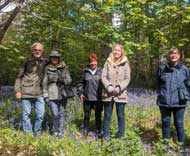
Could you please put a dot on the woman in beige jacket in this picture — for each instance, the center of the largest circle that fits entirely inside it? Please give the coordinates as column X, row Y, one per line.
column 115, row 78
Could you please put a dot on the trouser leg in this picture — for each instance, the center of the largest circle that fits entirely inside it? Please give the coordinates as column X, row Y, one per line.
column 108, row 108
column 120, row 109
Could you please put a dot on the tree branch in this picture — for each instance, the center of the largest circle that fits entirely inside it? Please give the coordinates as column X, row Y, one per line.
column 8, row 22
column 4, row 4
column 10, row 19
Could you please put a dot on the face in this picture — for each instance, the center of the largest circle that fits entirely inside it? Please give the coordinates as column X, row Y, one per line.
column 174, row 57
column 117, row 52
column 37, row 51
column 93, row 64
column 54, row 60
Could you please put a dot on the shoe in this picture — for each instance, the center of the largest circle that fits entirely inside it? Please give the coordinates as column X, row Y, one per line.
column 99, row 134
column 37, row 135
column 55, row 134
column 60, row 136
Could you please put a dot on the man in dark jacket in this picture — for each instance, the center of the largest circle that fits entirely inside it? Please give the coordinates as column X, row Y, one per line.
column 89, row 91
column 173, row 84
column 28, row 88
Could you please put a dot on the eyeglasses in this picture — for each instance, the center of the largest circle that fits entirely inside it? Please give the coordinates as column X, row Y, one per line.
column 37, row 49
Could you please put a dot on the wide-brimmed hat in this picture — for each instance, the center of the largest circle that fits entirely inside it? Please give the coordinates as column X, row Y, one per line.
column 54, row 53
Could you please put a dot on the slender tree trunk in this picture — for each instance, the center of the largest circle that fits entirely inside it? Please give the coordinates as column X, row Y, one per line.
column 7, row 24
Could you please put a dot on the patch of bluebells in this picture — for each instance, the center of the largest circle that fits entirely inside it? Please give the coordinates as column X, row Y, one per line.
column 7, row 91
column 142, row 97
column 137, row 96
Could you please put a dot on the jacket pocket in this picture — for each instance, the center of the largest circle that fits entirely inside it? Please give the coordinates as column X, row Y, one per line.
column 182, row 95
column 123, row 95
column 27, row 88
column 52, row 76
column 162, row 97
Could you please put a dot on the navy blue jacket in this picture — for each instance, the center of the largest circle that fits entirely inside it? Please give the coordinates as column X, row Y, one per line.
column 90, row 85
column 172, row 81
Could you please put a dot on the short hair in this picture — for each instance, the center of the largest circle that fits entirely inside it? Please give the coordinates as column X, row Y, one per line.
column 92, row 57
column 37, row 44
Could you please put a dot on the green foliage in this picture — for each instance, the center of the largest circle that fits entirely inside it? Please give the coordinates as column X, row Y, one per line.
column 142, row 135
column 76, row 28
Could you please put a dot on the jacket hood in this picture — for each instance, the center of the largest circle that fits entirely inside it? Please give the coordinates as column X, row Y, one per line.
column 124, row 59
column 177, row 66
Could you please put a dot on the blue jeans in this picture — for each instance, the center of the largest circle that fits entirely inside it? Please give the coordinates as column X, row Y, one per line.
column 120, row 109
column 57, row 109
column 178, row 113
column 39, row 110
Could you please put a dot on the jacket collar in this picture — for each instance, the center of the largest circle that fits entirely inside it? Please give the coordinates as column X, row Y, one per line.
column 123, row 60
column 60, row 65
column 177, row 66
column 87, row 68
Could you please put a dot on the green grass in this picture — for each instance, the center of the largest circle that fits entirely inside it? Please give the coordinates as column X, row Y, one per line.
column 142, row 136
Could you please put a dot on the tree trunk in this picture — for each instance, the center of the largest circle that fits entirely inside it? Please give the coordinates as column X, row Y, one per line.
column 7, row 24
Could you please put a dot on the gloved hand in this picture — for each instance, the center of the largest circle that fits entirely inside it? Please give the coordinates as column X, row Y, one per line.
column 46, row 100
column 110, row 89
column 117, row 91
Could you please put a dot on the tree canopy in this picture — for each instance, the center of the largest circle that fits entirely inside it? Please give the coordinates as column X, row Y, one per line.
column 146, row 28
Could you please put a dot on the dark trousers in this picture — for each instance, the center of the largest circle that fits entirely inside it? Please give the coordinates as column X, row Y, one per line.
column 88, row 106
column 108, row 109
column 57, row 109
column 178, row 114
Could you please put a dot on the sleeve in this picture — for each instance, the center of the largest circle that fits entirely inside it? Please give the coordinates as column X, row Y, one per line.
column 123, row 84
column 67, row 76
column 81, row 85
column 104, row 79
column 187, row 81
column 45, row 83
column 20, row 74
column 158, row 79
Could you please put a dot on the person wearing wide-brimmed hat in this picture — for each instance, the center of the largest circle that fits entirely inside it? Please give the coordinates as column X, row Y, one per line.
column 56, row 75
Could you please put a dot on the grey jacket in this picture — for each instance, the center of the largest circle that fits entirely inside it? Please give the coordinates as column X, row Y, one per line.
column 54, row 78
column 116, row 75
column 29, row 77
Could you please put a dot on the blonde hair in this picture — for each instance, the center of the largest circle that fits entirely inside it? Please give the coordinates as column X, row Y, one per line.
column 123, row 54
column 37, row 44
column 120, row 46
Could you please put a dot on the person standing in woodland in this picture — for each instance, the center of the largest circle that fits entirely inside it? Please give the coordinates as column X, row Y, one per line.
column 115, row 79
column 56, row 77
column 89, row 90
column 28, row 89
column 173, row 86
